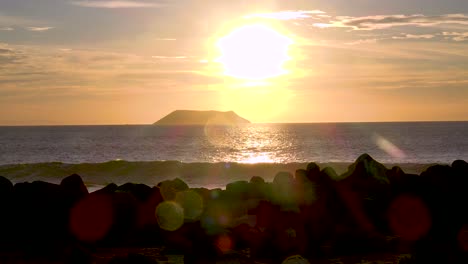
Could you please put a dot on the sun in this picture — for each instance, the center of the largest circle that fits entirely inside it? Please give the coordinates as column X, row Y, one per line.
column 254, row 52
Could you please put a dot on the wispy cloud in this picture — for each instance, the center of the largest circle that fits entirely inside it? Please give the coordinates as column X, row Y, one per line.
column 39, row 29
column 6, row 29
column 166, row 39
column 168, row 57
column 389, row 21
column 411, row 36
column 116, row 4
column 363, row 41
column 457, row 36
column 287, row 15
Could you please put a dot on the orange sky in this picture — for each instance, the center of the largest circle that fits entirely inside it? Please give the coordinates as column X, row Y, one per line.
column 132, row 62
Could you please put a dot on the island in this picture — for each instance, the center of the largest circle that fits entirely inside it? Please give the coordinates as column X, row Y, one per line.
column 193, row 117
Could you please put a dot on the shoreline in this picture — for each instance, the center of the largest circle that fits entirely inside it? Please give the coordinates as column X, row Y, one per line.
column 196, row 174
column 312, row 213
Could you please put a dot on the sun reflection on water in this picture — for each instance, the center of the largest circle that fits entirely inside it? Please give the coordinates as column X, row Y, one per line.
column 249, row 143
column 253, row 158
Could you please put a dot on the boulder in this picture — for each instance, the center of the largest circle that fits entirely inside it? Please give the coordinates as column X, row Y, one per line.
column 40, row 216
column 238, row 190
column 140, row 191
column 6, row 187
column 257, row 180
column 74, row 186
column 110, row 188
column 366, row 168
column 284, row 191
column 169, row 188
column 313, row 172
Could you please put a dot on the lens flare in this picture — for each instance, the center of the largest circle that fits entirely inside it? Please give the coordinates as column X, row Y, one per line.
column 191, row 202
column 91, row 218
column 170, row 216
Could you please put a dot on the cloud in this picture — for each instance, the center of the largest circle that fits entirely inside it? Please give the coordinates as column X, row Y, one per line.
column 7, row 21
column 410, row 36
column 115, row 4
column 39, row 29
column 363, row 41
column 389, row 21
column 457, row 36
column 168, row 57
column 6, row 29
column 287, row 15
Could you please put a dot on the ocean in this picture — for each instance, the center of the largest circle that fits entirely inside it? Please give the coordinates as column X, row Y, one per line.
column 105, row 153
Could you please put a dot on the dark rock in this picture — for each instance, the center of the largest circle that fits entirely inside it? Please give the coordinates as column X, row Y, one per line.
column 110, row 188
column 140, row 191
column 92, row 217
column 40, row 217
column 257, row 180
column 125, row 208
column 133, row 258
column 313, row 168
column 328, row 173
column 365, row 167
column 301, row 175
column 6, row 192
column 170, row 188
column 313, row 172
column 6, row 187
column 74, row 186
column 238, row 190
column 460, row 165
column 284, row 191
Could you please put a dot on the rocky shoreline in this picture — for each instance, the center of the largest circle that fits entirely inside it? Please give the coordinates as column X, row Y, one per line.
column 315, row 213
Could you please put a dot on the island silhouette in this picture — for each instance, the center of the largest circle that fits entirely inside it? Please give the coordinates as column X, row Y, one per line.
column 194, row 117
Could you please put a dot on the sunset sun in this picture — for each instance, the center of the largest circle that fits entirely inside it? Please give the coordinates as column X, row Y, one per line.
column 254, row 52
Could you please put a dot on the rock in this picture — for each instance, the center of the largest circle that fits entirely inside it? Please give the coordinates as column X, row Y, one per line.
column 6, row 187
column 301, row 175
column 92, row 217
column 440, row 179
column 329, row 174
column 283, row 178
column 6, row 192
column 284, row 191
column 133, row 258
column 74, row 186
column 140, row 191
column 40, row 216
column 290, row 237
column 365, row 167
column 460, row 165
column 170, row 188
column 313, row 172
column 110, row 188
column 313, row 167
column 238, row 190
column 257, row 180
column 125, row 222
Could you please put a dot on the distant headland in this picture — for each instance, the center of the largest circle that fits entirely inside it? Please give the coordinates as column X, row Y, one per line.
column 193, row 117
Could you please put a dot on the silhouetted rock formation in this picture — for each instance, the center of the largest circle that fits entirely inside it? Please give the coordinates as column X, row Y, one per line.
column 314, row 213
column 191, row 117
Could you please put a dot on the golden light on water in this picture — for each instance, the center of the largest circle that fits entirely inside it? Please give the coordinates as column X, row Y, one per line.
column 254, row 52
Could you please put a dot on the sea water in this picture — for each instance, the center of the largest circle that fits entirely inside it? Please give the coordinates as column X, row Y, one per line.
column 415, row 142
column 195, row 153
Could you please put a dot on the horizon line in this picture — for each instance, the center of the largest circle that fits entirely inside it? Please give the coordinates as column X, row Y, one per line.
column 260, row 123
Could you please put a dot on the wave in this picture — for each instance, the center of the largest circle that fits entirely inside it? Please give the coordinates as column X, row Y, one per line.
column 209, row 175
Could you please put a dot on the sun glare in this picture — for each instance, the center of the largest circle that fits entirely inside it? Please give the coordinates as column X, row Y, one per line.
column 254, row 52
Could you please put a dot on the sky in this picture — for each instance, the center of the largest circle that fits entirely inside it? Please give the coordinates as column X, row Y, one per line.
column 66, row 62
